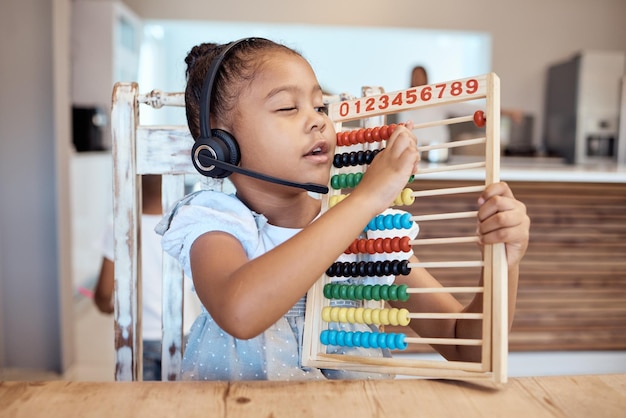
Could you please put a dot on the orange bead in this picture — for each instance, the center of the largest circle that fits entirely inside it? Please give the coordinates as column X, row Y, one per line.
column 340, row 136
column 479, row 118
column 387, row 245
column 378, row 245
column 395, row 244
column 352, row 137
column 404, row 244
column 376, row 134
column 370, row 246
column 360, row 136
column 368, row 135
column 384, row 132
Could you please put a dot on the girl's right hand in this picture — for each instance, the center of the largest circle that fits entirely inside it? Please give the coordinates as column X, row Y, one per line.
column 390, row 171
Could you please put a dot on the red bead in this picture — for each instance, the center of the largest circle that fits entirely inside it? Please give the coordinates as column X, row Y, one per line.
column 352, row 138
column 360, row 136
column 340, row 138
column 479, row 118
column 395, row 244
column 378, row 245
column 384, row 132
column 404, row 244
column 361, row 246
column 376, row 134
column 387, row 245
column 370, row 246
column 368, row 135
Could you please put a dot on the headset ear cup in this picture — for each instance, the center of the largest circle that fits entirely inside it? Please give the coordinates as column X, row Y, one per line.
column 231, row 155
column 221, row 146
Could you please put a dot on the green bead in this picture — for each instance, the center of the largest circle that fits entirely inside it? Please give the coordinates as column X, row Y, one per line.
column 334, row 182
column 384, row 292
column 358, row 292
column 343, row 291
column 350, row 179
column 351, row 291
column 402, row 293
column 367, row 292
column 376, row 292
column 342, row 181
column 335, row 292
column 393, row 292
column 328, row 288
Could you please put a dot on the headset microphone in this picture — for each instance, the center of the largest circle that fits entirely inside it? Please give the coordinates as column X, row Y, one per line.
column 209, row 163
column 216, row 152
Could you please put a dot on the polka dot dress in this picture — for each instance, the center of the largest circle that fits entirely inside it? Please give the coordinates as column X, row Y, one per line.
column 276, row 354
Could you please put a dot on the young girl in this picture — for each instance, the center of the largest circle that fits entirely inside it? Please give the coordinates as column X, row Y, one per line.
column 254, row 255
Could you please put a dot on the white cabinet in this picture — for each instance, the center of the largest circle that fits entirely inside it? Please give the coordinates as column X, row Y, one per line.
column 105, row 42
column 106, row 39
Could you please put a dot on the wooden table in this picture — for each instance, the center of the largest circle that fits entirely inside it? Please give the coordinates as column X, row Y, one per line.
column 562, row 396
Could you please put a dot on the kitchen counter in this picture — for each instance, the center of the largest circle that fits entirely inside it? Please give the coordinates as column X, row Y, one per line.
column 535, row 169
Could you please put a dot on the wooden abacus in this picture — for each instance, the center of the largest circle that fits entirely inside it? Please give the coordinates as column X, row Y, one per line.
column 355, row 149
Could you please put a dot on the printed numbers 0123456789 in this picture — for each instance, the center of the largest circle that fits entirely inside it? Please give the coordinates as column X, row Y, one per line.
column 409, row 97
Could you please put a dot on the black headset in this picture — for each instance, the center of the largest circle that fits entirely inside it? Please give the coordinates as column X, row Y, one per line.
column 216, row 152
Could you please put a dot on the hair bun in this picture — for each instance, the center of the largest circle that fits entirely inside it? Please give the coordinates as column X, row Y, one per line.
column 200, row 52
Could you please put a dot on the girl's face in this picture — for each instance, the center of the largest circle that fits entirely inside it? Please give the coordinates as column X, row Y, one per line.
column 281, row 124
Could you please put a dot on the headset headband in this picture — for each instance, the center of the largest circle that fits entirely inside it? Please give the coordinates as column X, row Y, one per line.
column 207, row 87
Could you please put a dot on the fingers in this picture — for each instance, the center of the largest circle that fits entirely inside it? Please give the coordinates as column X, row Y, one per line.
column 501, row 217
column 402, row 145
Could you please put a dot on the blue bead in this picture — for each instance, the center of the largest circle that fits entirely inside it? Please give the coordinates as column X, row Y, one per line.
column 373, row 340
column 400, row 344
column 332, row 337
column 380, row 223
column 406, row 221
column 382, row 340
column 388, row 222
column 365, row 340
column 391, row 341
column 324, row 337
column 341, row 338
column 349, row 339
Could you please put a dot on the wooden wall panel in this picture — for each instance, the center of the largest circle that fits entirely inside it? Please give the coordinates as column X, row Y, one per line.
column 572, row 289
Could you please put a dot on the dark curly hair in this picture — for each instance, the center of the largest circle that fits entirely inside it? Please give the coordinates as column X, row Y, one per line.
column 236, row 71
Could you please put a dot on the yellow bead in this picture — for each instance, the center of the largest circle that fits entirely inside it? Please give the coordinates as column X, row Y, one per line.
column 384, row 316
column 343, row 314
column 367, row 316
column 334, row 313
column 403, row 317
column 326, row 314
column 393, row 316
column 407, row 197
column 376, row 316
column 358, row 315
column 351, row 312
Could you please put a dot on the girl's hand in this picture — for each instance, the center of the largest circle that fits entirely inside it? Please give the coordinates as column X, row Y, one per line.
column 390, row 171
column 502, row 218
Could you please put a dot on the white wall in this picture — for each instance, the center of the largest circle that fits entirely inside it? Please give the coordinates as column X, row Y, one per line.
column 527, row 36
column 33, row 308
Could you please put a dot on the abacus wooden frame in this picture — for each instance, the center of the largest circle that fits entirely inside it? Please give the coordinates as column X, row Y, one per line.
column 494, row 345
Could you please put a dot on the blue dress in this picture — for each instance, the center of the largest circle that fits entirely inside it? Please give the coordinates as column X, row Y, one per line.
column 276, row 354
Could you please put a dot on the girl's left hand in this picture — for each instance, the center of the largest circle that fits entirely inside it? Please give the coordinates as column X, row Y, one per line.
column 502, row 218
